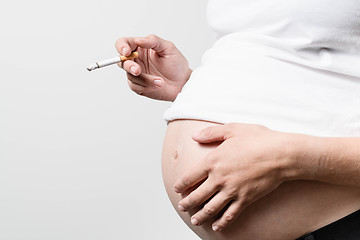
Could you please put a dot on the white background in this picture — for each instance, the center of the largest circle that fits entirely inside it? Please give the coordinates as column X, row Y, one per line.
column 79, row 152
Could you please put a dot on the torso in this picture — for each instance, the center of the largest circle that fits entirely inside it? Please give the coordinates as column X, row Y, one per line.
column 290, row 211
column 290, row 66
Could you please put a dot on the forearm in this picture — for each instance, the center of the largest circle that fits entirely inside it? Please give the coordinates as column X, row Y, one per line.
column 330, row 160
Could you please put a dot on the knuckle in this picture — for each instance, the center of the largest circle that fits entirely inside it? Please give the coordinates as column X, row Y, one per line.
column 186, row 181
column 209, row 211
column 218, row 183
column 232, row 192
column 170, row 44
column 153, row 37
column 229, row 217
column 210, row 166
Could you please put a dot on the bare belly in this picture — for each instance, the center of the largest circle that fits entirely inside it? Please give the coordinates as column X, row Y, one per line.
column 290, row 211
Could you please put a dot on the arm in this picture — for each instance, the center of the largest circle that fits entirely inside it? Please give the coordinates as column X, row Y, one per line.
column 161, row 70
column 253, row 160
column 334, row 160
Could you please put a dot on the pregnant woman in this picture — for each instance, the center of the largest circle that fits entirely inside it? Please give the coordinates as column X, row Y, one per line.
column 263, row 140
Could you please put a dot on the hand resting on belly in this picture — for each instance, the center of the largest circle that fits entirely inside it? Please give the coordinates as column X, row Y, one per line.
column 292, row 209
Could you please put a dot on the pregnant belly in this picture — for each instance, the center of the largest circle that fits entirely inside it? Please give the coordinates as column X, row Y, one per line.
column 290, row 211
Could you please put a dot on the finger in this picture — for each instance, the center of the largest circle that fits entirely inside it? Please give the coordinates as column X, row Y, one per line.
column 229, row 216
column 138, row 89
column 192, row 177
column 125, row 45
column 198, row 196
column 159, row 45
column 211, row 134
column 131, row 67
column 151, row 82
column 213, row 207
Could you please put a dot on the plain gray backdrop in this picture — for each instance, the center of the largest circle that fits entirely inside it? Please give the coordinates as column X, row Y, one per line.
column 80, row 153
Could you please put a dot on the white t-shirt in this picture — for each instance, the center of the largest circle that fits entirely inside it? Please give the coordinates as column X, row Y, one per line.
column 289, row 65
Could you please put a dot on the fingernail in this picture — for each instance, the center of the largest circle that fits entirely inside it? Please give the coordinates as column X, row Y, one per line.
column 215, row 228
column 181, row 208
column 158, row 82
column 123, row 51
column 194, row 221
column 132, row 69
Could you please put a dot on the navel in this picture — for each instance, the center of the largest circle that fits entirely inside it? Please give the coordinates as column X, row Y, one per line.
column 175, row 155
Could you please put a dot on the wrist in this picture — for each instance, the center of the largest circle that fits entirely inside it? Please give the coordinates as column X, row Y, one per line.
column 302, row 157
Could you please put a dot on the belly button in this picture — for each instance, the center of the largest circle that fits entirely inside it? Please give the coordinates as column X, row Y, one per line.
column 175, row 155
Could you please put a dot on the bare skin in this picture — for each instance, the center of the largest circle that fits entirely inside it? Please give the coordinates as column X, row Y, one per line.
column 252, row 161
column 161, row 70
column 291, row 210
column 240, row 181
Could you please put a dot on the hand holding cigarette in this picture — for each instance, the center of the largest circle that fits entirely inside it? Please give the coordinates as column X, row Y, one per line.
column 158, row 71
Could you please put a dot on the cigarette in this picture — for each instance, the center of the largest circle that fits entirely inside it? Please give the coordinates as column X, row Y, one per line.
column 112, row 61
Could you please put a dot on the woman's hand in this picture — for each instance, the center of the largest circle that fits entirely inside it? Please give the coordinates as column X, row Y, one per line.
column 161, row 70
column 250, row 162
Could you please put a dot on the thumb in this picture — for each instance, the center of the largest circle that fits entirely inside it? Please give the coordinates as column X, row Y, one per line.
column 211, row 134
column 154, row 42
